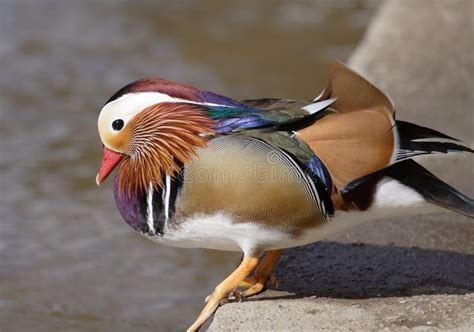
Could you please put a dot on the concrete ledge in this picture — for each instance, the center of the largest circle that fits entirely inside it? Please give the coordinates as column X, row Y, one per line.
column 415, row 273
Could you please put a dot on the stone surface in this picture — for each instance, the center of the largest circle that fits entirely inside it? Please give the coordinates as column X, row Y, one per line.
column 407, row 274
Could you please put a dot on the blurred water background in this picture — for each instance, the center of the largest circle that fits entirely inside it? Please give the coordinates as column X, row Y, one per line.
column 67, row 260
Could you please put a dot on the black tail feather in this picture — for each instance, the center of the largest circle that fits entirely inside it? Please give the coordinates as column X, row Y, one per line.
column 408, row 149
column 435, row 191
column 416, row 140
column 411, row 131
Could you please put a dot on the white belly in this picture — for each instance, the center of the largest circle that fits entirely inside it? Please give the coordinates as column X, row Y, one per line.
column 220, row 232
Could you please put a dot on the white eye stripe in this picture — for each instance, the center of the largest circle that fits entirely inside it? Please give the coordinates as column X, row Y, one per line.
column 132, row 103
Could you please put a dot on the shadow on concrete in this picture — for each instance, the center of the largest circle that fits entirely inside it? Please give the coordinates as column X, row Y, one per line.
column 357, row 271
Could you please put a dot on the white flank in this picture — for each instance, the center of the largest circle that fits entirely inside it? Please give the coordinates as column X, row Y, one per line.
column 391, row 194
column 149, row 210
column 318, row 106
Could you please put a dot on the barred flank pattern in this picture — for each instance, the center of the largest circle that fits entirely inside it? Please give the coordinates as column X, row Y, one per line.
column 162, row 136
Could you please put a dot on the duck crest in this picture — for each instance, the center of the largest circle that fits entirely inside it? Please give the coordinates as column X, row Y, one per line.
column 175, row 90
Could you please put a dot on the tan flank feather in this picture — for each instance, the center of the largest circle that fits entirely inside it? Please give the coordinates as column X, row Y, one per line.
column 359, row 139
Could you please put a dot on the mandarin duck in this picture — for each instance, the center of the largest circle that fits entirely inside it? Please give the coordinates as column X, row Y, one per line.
column 200, row 170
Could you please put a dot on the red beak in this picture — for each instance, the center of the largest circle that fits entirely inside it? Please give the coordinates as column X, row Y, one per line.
column 110, row 161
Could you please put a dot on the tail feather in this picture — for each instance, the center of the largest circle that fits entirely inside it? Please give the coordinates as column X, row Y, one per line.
column 416, row 140
column 433, row 189
column 412, row 131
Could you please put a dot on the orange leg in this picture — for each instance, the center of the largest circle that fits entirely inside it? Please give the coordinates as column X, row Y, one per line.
column 263, row 273
column 224, row 289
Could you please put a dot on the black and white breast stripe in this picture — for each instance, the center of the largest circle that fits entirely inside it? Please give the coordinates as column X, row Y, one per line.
column 160, row 204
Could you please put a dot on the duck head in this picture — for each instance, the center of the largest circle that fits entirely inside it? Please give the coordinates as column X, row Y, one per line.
column 150, row 126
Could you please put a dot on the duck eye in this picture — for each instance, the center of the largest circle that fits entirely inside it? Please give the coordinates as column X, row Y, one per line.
column 117, row 124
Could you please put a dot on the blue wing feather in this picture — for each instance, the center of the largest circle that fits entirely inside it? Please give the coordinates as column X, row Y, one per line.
column 320, row 170
column 235, row 117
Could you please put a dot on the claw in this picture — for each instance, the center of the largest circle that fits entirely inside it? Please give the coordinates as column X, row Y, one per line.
column 274, row 280
column 238, row 295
